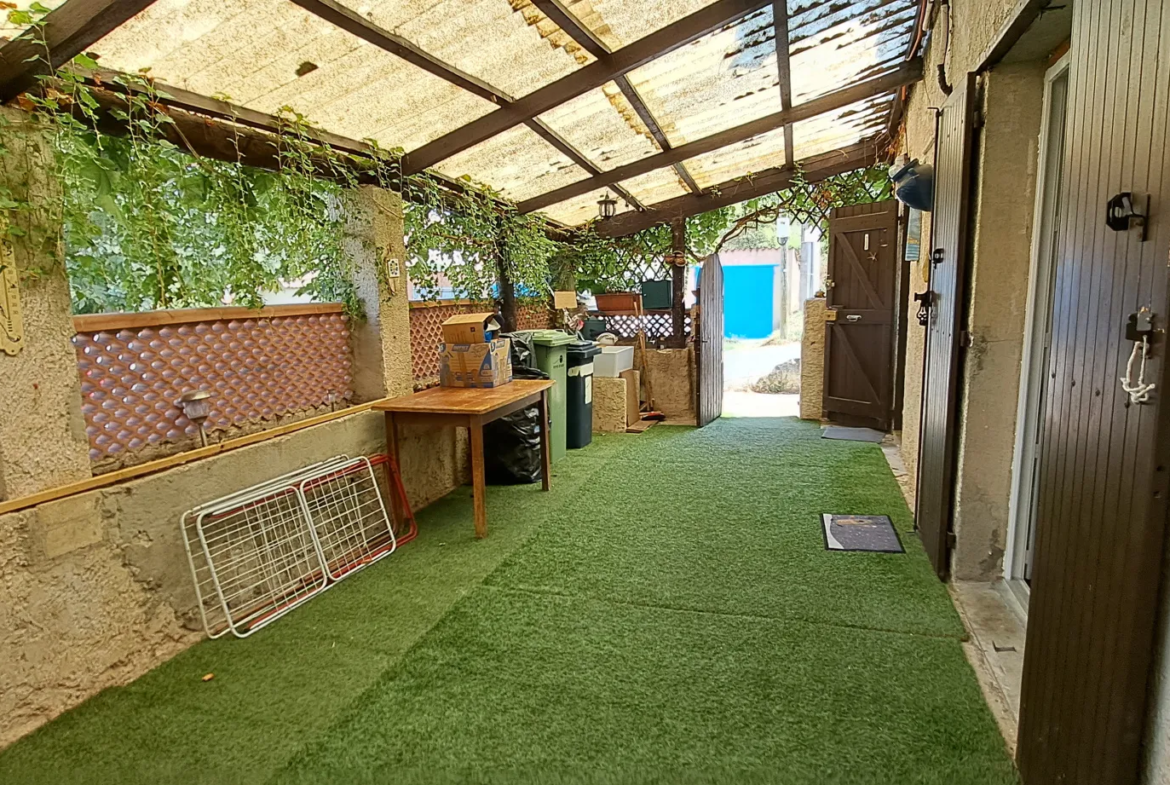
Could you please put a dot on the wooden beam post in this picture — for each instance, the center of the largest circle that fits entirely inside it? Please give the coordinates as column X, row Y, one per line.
column 678, row 275
column 784, row 66
column 67, row 31
column 908, row 73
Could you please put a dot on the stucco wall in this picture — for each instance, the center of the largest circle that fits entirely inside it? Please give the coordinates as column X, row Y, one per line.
column 42, row 433
column 812, row 360
column 1003, row 208
column 95, row 589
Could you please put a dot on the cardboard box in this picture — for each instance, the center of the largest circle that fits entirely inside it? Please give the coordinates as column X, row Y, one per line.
column 475, row 364
column 565, row 300
column 470, row 328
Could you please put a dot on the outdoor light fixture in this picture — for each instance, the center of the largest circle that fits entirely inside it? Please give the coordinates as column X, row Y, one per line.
column 606, row 206
column 196, row 406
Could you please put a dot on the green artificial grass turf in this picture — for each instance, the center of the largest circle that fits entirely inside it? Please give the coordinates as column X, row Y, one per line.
column 667, row 614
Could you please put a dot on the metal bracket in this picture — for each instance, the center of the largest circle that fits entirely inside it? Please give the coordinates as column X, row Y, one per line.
column 924, row 300
column 1121, row 215
column 938, row 256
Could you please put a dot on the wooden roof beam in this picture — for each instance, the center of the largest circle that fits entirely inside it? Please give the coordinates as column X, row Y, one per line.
column 355, row 24
column 65, row 32
column 906, row 74
column 555, row 10
column 594, row 75
column 812, row 170
column 784, row 66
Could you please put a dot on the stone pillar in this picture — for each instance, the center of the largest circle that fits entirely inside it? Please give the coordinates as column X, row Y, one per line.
column 812, row 361
column 43, row 442
column 381, row 343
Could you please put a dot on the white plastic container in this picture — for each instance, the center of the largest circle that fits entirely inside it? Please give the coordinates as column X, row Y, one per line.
column 613, row 360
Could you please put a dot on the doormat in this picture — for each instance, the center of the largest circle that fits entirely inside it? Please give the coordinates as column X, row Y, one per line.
column 874, row 533
column 852, row 434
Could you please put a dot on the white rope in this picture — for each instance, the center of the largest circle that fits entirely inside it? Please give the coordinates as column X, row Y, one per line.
column 1139, row 391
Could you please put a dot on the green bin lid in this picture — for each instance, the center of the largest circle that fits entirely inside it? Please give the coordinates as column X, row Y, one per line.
column 552, row 337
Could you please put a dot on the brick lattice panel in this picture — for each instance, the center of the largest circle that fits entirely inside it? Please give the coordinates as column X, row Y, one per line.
column 426, row 329
column 257, row 369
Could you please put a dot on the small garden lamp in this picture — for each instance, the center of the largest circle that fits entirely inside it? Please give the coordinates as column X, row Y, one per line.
column 606, row 206
column 196, row 406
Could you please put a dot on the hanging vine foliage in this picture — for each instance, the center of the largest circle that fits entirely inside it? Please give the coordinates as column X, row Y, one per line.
column 148, row 223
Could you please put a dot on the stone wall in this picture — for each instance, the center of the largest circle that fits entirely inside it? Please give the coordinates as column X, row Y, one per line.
column 812, row 361
column 95, row 589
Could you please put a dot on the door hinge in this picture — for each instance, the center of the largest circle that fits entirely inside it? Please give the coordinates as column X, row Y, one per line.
column 964, row 339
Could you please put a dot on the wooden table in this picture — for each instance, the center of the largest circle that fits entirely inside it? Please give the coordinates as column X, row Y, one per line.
column 471, row 409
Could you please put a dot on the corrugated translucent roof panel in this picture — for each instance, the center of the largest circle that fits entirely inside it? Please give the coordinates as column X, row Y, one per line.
column 719, row 81
column 603, row 127
column 621, row 22
column 517, row 163
column 755, row 155
column 252, row 51
column 841, row 128
column 835, row 43
column 515, row 51
column 9, row 29
column 583, row 209
column 656, row 186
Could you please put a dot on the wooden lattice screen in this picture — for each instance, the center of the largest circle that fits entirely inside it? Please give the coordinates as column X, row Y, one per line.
column 426, row 321
column 658, row 325
column 257, row 365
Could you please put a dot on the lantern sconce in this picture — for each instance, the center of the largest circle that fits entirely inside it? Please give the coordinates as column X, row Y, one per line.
column 606, row 206
column 196, row 406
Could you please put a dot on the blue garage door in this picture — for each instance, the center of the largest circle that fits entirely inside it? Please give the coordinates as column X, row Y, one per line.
column 747, row 300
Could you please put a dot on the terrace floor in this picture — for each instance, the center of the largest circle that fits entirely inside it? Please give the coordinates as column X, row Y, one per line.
column 668, row 614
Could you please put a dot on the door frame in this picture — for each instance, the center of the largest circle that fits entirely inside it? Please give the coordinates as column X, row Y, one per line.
column 1033, row 365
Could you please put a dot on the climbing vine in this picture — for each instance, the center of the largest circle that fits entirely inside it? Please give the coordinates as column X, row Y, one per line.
column 147, row 223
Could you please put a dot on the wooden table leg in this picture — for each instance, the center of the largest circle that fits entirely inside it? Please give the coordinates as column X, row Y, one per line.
column 478, row 486
column 545, row 449
column 397, row 508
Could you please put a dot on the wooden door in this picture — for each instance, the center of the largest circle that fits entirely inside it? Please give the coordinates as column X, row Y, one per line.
column 860, row 302
column 940, row 382
column 1103, row 466
column 710, row 339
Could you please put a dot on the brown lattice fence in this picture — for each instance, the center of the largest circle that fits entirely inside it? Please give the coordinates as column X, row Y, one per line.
column 258, row 365
column 426, row 321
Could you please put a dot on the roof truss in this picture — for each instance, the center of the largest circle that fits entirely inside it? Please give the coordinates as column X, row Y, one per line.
column 592, row 76
column 77, row 24
column 812, row 170
column 68, row 31
column 907, row 74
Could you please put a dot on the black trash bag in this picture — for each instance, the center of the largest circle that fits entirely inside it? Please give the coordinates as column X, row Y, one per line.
column 523, row 354
column 511, row 445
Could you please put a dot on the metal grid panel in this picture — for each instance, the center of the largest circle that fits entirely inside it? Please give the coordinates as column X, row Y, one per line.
column 348, row 518
column 835, row 44
column 841, row 128
column 257, row 369
column 258, row 553
column 727, row 163
column 252, row 50
column 603, row 126
column 517, row 163
column 719, row 81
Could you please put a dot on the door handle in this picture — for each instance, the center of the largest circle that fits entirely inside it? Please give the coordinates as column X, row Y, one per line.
column 853, row 317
